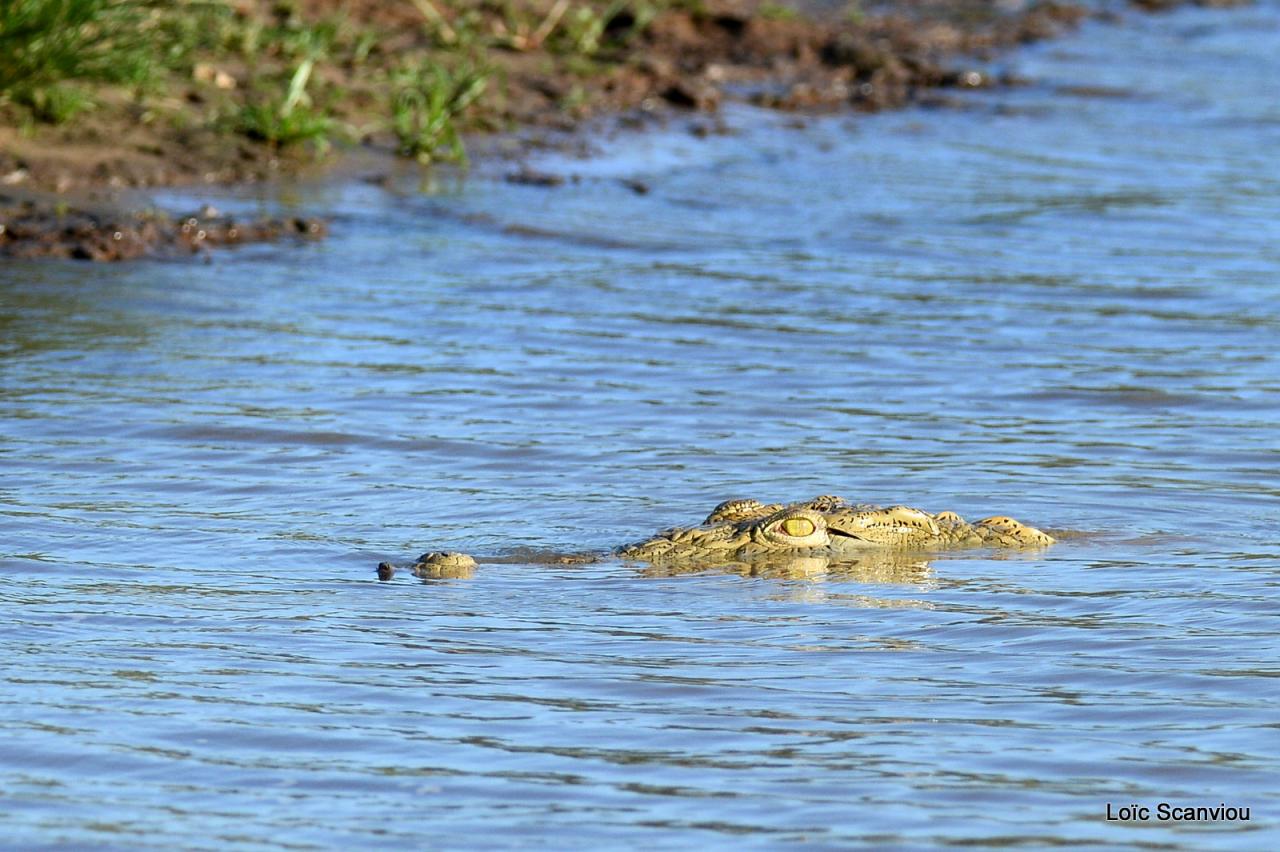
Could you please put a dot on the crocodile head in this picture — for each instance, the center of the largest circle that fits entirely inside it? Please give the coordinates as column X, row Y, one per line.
column 827, row 526
column 825, row 530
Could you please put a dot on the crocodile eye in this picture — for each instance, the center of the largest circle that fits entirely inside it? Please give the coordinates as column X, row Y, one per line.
column 798, row 527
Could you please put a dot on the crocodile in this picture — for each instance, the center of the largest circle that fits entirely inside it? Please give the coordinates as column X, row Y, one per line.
column 748, row 532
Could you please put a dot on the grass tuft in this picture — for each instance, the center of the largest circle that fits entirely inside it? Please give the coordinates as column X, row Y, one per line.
column 52, row 104
column 45, row 42
column 427, row 100
column 289, row 120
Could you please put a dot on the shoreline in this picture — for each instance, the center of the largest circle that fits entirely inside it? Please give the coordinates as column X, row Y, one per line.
column 66, row 189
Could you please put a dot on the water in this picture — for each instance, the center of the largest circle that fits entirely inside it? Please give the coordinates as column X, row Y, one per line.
column 1050, row 302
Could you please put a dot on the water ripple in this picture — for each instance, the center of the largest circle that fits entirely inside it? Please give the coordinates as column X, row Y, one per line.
column 1055, row 302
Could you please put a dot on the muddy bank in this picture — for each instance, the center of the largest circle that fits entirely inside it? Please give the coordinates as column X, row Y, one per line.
column 39, row 227
column 264, row 108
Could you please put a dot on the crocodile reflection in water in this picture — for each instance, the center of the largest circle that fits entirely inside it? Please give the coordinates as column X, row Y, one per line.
column 825, row 534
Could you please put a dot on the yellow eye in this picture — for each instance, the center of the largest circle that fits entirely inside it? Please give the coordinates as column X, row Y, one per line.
column 798, row 527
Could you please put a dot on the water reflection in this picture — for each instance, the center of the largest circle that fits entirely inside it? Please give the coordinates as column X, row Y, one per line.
column 55, row 310
column 875, row 567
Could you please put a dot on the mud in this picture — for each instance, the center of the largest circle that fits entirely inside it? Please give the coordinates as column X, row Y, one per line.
column 690, row 59
column 33, row 227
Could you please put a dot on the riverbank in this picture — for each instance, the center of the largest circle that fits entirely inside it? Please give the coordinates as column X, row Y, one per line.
column 145, row 96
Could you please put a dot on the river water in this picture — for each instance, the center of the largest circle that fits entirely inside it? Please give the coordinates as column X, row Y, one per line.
column 1058, row 301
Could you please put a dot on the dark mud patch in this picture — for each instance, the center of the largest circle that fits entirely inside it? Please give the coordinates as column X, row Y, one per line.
column 39, row 228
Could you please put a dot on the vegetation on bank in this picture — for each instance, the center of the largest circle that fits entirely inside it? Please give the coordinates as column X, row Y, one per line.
column 103, row 94
column 297, row 74
column 142, row 92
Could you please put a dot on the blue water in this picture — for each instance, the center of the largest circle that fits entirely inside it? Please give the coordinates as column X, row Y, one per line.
column 1057, row 301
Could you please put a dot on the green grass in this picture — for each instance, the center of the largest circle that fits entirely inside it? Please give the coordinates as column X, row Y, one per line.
column 288, row 120
column 777, row 12
column 427, row 99
column 45, row 42
column 284, row 77
column 56, row 105
column 52, row 52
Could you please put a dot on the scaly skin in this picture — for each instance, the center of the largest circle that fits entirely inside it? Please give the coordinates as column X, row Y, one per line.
column 826, row 527
column 743, row 530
